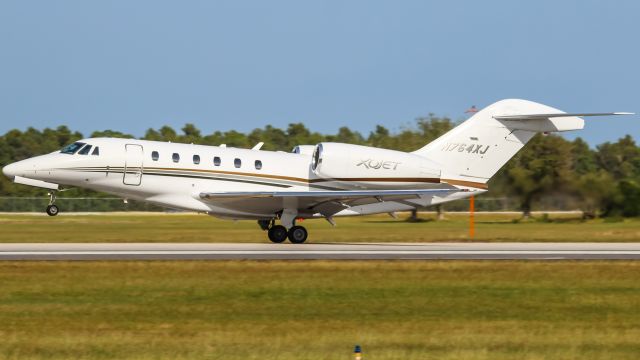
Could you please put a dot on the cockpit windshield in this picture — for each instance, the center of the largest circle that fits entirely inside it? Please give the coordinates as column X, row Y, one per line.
column 72, row 148
column 85, row 150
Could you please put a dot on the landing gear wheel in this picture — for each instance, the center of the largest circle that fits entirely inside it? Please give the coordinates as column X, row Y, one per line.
column 298, row 234
column 277, row 233
column 52, row 210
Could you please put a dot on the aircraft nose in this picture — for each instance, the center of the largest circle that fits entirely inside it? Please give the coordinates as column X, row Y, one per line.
column 10, row 170
column 19, row 168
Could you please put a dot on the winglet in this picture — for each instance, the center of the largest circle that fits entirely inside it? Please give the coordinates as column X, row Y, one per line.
column 258, row 146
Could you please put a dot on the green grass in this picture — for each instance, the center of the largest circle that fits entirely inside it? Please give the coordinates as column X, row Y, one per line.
column 202, row 228
column 320, row 310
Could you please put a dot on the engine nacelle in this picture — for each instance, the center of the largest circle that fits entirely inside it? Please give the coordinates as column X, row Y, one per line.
column 369, row 167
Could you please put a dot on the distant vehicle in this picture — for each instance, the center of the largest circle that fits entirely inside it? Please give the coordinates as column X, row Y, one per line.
column 313, row 181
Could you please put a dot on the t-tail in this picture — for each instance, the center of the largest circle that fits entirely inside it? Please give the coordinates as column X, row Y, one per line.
column 476, row 149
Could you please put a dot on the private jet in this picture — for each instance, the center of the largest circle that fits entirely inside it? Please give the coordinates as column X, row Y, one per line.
column 324, row 180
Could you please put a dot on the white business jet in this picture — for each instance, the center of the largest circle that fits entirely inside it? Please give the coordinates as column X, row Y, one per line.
column 314, row 181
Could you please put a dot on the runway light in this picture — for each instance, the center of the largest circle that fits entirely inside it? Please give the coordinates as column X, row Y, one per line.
column 357, row 353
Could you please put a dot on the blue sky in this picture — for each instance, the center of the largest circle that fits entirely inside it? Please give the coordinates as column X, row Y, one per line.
column 131, row 65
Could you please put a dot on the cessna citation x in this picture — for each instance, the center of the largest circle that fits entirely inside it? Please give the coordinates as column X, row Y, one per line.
column 314, row 181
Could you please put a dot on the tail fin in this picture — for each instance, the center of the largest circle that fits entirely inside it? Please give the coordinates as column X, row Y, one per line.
column 476, row 149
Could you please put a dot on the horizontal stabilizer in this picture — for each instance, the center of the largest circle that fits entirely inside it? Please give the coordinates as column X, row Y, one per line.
column 480, row 146
column 553, row 115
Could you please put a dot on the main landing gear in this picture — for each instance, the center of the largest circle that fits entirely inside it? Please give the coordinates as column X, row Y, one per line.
column 52, row 209
column 278, row 233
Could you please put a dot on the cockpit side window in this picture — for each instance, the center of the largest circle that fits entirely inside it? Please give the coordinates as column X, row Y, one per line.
column 85, row 150
column 96, row 151
column 72, row 148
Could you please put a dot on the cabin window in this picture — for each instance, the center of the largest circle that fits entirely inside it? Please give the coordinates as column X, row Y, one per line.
column 155, row 155
column 258, row 164
column 237, row 162
column 72, row 148
column 217, row 161
column 196, row 159
column 96, row 151
column 85, row 150
column 175, row 157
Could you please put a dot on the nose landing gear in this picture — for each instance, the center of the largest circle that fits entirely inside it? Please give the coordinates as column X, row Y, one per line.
column 52, row 209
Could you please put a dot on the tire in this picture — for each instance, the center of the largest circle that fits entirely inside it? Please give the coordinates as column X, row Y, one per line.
column 278, row 234
column 52, row 210
column 298, row 235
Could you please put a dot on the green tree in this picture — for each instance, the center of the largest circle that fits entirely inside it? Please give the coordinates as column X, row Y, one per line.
column 604, row 180
column 346, row 135
column 236, row 139
column 167, row 133
column 298, row 134
column 432, row 127
column 542, row 168
column 596, row 191
column 627, row 203
column 214, row 139
column 273, row 138
column 583, row 158
column 111, row 134
column 191, row 135
column 621, row 159
column 152, row 135
column 380, row 137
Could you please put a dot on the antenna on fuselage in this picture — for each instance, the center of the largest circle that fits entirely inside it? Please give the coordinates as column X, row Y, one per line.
column 258, row 146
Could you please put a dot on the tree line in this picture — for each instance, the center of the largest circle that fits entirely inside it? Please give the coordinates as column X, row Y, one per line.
column 600, row 181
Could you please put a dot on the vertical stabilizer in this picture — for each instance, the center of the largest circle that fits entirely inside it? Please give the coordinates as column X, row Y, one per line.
column 476, row 149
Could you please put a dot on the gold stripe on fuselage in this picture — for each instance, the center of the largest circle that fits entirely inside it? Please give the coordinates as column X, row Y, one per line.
column 306, row 181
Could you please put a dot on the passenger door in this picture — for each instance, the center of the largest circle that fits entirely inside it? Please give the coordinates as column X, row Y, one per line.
column 133, row 164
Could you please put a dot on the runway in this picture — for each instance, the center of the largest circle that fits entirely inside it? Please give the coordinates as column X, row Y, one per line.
column 315, row 251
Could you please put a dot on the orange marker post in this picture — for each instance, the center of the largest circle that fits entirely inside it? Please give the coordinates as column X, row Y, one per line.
column 471, row 219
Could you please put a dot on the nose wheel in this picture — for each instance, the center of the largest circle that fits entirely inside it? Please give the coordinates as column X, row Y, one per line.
column 52, row 209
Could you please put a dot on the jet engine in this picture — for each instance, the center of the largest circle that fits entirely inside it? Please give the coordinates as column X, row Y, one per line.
column 369, row 167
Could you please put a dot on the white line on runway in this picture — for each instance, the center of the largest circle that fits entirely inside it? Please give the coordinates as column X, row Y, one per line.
column 327, row 252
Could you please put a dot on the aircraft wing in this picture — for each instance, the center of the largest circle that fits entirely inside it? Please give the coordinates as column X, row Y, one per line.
column 325, row 202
